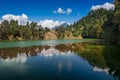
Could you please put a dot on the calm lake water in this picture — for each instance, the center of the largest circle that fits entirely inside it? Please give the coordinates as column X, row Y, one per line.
column 59, row 60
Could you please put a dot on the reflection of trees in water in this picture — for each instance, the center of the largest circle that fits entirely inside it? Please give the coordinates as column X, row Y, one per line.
column 94, row 55
column 103, row 57
column 71, row 47
column 112, row 57
column 13, row 52
column 98, row 56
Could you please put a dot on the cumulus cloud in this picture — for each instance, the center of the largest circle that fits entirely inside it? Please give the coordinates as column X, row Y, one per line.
column 62, row 11
column 68, row 11
column 22, row 19
column 107, row 6
column 49, row 23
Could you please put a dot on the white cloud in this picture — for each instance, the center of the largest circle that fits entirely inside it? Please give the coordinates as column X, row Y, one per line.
column 22, row 19
column 59, row 10
column 107, row 6
column 49, row 23
column 68, row 11
column 62, row 11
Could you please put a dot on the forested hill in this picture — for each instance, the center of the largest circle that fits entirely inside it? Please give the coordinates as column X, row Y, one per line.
column 112, row 26
column 91, row 25
column 100, row 23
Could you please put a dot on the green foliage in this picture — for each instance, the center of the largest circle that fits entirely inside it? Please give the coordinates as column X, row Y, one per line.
column 10, row 30
column 91, row 25
column 112, row 26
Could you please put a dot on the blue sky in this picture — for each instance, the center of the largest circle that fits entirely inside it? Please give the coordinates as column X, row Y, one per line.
column 38, row 10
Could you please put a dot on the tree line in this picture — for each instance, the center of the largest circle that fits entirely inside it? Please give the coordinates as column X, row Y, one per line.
column 11, row 30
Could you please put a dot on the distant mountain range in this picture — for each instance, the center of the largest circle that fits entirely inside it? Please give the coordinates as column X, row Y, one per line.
column 63, row 24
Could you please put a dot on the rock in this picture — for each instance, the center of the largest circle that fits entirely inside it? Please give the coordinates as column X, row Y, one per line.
column 50, row 35
column 10, row 37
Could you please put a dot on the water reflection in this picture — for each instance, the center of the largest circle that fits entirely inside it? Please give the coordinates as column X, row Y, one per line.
column 20, row 58
column 52, row 52
column 66, row 57
column 101, row 70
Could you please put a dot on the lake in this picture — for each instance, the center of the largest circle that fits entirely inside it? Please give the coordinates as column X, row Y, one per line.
column 69, row 59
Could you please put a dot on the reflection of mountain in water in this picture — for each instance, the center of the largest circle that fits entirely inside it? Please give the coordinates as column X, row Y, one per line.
column 52, row 52
column 102, row 58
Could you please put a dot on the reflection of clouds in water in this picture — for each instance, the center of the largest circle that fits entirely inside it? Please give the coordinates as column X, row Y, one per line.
column 52, row 51
column 15, row 64
column 101, row 70
column 60, row 65
column 18, row 62
column 69, row 65
column 21, row 58
column 49, row 52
